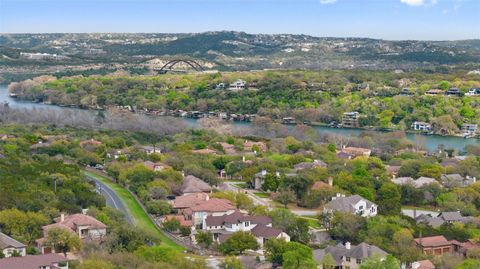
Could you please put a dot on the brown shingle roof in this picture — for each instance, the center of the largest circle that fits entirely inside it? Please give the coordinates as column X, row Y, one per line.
column 433, row 241
column 72, row 221
column 31, row 261
column 192, row 184
column 214, row 205
column 189, row 200
column 266, row 232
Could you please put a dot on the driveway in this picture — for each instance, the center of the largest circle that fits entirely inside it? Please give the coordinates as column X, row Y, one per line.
column 111, row 198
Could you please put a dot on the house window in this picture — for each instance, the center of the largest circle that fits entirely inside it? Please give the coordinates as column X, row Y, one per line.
column 360, row 207
column 247, row 223
column 359, row 261
column 347, row 259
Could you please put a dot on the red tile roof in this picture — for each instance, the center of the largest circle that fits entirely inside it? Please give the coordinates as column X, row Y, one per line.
column 72, row 221
column 433, row 241
column 189, row 200
column 214, row 205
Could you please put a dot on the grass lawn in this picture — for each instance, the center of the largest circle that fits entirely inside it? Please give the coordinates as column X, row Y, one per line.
column 137, row 213
column 312, row 222
column 262, row 194
column 241, row 185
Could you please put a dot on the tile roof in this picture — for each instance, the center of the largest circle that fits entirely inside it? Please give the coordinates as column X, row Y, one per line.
column 433, row 241
column 7, row 241
column 31, row 261
column 189, row 200
column 181, row 219
column 192, row 184
column 236, row 217
column 346, row 204
column 318, row 185
column 72, row 221
column 214, row 205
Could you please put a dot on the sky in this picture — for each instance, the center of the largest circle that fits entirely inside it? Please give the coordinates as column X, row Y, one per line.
column 385, row 19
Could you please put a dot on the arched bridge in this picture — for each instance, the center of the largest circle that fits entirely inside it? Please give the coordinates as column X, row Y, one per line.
column 170, row 64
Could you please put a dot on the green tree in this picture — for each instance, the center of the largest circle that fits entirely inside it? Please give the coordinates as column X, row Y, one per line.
column 25, row 226
column 298, row 256
column 204, row 238
column 62, row 240
column 328, row 262
column 376, row 262
column 238, row 242
column 389, row 199
column 285, row 196
column 231, row 262
column 171, row 225
column 346, row 226
column 469, row 264
column 96, row 263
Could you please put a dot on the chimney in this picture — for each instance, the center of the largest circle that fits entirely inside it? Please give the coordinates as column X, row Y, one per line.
column 330, row 181
column 348, row 245
column 62, row 217
column 264, row 172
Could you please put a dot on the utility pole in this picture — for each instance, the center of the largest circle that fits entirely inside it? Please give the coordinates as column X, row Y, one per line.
column 55, row 184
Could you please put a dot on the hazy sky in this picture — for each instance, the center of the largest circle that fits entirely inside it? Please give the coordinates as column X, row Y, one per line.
column 387, row 19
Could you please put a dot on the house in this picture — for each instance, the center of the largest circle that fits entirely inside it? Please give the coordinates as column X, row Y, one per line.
column 456, row 180
column 211, row 207
column 250, row 145
column 150, row 150
column 86, row 227
column 319, row 185
column 260, row 226
column 434, row 92
column 418, row 183
column 453, row 92
column 421, row 126
column 117, row 153
column 423, row 264
column 473, row 92
column 239, row 84
column 348, row 255
column 309, row 165
column 181, row 219
column 221, row 86
column 11, row 247
column 204, row 151
column 444, row 217
column 393, row 170
column 350, row 119
column 354, row 204
column 155, row 166
column 468, row 128
column 189, row 200
column 47, row 261
column 435, row 245
column 356, row 152
column 192, row 184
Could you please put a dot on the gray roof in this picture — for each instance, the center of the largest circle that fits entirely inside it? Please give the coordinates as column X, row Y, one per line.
column 266, row 232
column 7, row 241
column 309, row 165
column 451, row 216
column 361, row 251
column 346, row 204
column 192, row 184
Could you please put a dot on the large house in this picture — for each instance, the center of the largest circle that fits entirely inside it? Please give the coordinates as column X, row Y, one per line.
column 435, row 245
column 349, row 256
column 11, row 247
column 189, row 200
column 239, row 84
column 444, row 217
column 418, row 183
column 47, row 261
column 421, row 126
column 354, row 204
column 357, row 152
column 260, row 226
column 351, row 119
column 192, row 184
column 87, row 228
column 456, row 180
column 211, row 207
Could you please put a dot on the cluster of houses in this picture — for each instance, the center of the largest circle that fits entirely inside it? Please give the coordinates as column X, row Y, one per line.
column 468, row 129
column 453, row 92
column 87, row 228
column 446, row 180
column 196, row 210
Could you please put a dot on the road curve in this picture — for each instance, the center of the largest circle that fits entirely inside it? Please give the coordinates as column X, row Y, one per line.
column 111, row 198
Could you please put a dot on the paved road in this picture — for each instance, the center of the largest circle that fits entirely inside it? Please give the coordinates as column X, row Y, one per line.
column 111, row 198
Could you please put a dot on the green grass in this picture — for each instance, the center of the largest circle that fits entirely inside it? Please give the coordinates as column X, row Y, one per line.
column 241, row 185
column 139, row 216
column 312, row 222
column 262, row 194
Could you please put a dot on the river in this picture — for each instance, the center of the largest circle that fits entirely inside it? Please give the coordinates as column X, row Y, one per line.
column 430, row 142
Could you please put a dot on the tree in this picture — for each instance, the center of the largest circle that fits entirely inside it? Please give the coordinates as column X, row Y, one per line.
column 158, row 207
column 282, row 218
column 469, row 264
column 204, row 238
column 376, row 262
column 270, row 183
column 298, row 256
column 389, row 199
column 299, row 230
column 231, row 263
column 95, row 263
column 346, row 226
column 285, row 196
column 62, row 240
column 171, row 225
column 25, row 226
column 238, row 242
column 328, row 262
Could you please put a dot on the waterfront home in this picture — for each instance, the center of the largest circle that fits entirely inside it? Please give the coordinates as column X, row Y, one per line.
column 47, row 261
column 221, row 86
column 192, row 184
column 434, row 92
column 348, row 255
column 11, row 247
column 453, row 91
column 239, row 84
column 421, row 126
column 468, row 128
column 351, row 119
column 473, row 92
column 87, row 228
column 354, row 204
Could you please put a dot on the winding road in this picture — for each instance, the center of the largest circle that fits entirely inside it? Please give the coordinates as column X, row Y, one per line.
column 111, row 198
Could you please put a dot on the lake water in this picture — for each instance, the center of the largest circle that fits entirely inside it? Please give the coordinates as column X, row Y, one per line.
column 430, row 142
